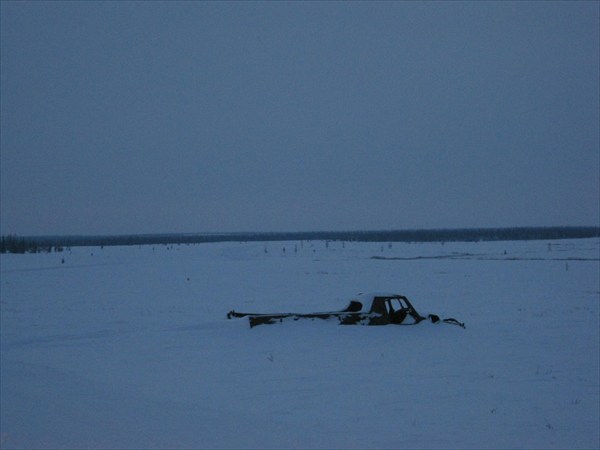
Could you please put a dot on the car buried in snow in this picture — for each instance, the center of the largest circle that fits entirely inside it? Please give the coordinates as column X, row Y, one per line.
column 367, row 309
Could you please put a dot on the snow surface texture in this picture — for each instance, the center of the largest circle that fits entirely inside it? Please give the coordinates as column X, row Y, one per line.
column 129, row 347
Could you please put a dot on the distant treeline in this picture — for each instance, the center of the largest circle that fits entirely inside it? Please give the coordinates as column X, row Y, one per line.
column 16, row 244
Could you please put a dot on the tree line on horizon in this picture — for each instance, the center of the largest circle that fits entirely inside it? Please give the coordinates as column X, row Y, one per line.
column 17, row 244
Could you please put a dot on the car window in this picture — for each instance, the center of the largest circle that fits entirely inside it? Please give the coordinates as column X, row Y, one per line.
column 395, row 304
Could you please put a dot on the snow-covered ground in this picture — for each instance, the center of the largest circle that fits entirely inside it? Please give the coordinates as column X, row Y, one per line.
column 129, row 347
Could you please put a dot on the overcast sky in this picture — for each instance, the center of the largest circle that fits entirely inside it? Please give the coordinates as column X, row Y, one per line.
column 152, row 117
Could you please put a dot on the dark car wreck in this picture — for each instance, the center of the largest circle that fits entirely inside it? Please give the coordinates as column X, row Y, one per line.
column 369, row 309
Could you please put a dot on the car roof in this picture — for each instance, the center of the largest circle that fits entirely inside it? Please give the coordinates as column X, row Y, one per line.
column 371, row 295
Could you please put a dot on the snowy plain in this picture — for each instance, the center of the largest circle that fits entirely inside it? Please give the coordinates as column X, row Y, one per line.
column 129, row 347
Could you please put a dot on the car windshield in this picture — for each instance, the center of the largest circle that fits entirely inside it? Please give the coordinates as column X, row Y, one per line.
column 394, row 304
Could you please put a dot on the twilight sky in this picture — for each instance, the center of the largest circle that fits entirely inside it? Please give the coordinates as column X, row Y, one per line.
column 281, row 116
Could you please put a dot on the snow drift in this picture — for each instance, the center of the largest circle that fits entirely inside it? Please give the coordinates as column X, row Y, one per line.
column 130, row 347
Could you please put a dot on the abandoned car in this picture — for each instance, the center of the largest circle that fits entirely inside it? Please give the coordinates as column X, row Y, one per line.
column 368, row 309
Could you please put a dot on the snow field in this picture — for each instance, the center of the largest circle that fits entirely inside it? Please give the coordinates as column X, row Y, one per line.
column 125, row 347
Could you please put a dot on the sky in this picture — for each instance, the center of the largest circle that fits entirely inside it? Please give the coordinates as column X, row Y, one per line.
column 169, row 117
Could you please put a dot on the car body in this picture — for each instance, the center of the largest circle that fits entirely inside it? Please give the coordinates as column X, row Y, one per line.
column 366, row 309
